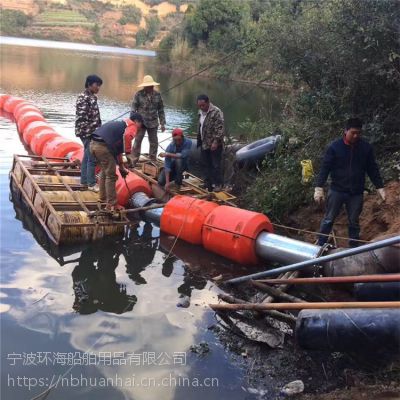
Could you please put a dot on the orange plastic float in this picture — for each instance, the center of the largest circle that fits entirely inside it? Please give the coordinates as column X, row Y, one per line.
column 231, row 232
column 27, row 118
column 77, row 155
column 40, row 139
column 11, row 103
column 132, row 184
column 59, row 147
column 32, row 129
column 22, row 108
column 184, row 217
column 3, row 99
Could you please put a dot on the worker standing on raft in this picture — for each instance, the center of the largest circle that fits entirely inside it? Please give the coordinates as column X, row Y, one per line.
column 87, row 120
column 347, row 160
column 108, row 145
column 210, row 138
column 176, row 159
column 149, row 104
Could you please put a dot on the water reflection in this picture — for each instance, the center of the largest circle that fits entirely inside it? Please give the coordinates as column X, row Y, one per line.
column 36, row 72
column 139, row 251
column 94, row 280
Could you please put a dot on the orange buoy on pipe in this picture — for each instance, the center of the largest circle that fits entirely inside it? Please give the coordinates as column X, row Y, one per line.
column 77, row 155
column 132, row 184
column 27, row 118
column 11, row 103
column 231, row 232
column 184, row 217
column 22, row 108
column 40, row 139
column 59, row 147
column 32, row 129
column 3, row 98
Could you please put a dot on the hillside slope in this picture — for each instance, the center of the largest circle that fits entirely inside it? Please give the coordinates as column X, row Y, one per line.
column 131, row 23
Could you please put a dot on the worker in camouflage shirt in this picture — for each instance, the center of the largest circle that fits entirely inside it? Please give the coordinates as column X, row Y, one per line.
column 149, row 104
column 87, row 120
column 210, row 138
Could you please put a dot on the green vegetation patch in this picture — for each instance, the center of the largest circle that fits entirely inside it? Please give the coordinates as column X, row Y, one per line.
column 130, row 15
column 12, row 22
column 62, row 18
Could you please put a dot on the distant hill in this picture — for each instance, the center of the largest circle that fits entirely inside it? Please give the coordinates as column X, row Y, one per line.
column 132, row 23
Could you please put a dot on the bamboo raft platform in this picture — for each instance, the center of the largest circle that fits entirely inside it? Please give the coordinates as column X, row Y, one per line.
column 66, row 210
column 69, row 213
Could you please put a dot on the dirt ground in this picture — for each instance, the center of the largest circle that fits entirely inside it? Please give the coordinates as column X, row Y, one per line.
column 378, row 218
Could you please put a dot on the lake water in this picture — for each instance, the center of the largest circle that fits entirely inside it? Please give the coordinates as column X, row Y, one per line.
column 101, row 321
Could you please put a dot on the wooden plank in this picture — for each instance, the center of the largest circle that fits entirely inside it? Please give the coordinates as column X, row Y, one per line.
column 67, row 172
column 68, row 187
column 37, row 188
column 59, row 186
column 37, row 215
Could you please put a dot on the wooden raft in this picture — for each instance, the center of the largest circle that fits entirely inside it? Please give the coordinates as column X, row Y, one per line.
column 149, row 170
column 66, row 210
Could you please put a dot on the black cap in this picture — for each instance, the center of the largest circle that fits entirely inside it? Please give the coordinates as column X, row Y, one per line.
column 134, row 116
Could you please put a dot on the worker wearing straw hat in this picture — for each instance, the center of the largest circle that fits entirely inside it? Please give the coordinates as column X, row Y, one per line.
column 148, row 103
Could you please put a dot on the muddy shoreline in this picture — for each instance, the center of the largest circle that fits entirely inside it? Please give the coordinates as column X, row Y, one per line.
column 326, row 375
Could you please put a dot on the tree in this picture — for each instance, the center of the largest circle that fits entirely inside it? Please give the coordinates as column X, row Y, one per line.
column 12, row 21
column 130, row 15
column 220, row 24
column 346, row 51
column 152, row 26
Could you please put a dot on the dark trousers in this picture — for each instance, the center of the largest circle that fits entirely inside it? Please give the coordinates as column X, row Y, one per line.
column 178, row 166
column 211, row 163
column 153, row 141
column 88, row 166
column 353, row 204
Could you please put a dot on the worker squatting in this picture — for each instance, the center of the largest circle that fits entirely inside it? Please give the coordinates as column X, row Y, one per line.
column 347, row 160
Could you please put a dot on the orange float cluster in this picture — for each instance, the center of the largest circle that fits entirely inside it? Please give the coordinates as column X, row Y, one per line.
column 43, row 140
column 228, row 231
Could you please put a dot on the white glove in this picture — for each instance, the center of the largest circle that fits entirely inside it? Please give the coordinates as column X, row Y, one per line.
column 124, row 158
column 382, row 193
column 319, row 196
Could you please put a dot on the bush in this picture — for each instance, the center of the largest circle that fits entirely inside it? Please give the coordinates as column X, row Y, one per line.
column 180, row 50
column 131, row 15
column 12, row 22
column 141, row 36
column 152, row 26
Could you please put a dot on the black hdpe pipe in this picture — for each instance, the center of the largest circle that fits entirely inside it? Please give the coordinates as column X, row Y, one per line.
column 349, row 330
column 377, row 291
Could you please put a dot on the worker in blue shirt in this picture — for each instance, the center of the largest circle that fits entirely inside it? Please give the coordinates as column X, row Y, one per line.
column 176, row 159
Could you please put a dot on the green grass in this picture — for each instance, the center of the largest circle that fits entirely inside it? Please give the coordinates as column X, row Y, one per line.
column 62, row 18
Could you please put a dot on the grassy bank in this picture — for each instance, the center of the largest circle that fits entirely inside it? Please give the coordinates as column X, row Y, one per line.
column 341, row 58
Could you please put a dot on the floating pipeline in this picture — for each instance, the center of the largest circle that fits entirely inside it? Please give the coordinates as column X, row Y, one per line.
column 240, row 235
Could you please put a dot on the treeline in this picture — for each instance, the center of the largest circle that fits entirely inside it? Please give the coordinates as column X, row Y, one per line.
column 341, row 58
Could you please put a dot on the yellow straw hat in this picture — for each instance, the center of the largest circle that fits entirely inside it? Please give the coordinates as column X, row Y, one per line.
column 148, row 81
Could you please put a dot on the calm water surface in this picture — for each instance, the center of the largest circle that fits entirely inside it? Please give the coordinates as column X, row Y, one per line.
column 115, row 300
